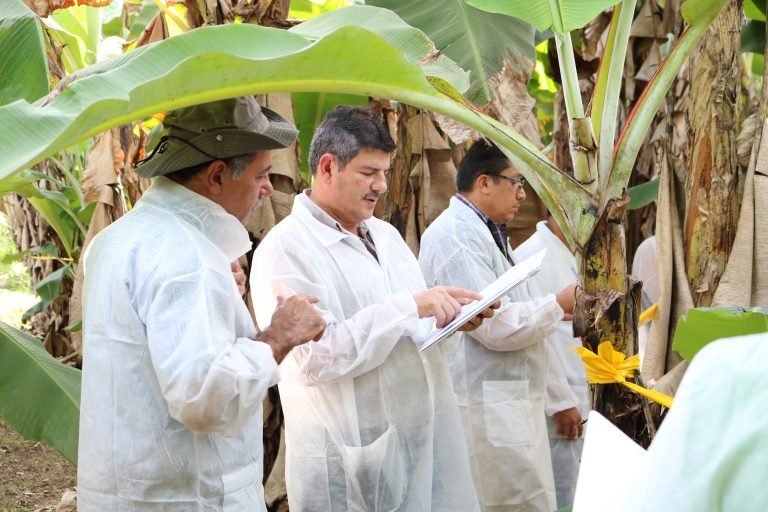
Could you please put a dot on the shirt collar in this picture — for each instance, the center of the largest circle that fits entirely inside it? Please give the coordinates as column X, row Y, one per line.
column 303, row 203
column 498, row 231
column 474, row 208
column 223, row 229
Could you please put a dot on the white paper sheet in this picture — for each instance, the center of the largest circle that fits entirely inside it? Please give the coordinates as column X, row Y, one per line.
column 610, row 463
column 493, row 292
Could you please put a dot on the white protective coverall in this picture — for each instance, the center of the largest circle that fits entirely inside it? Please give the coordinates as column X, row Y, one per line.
column 371, row 422
column 173, row 383
column 710, row 452
column 558, row 269
column 500, row 371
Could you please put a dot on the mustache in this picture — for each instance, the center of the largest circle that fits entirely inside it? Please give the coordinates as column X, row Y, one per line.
column 372, row 195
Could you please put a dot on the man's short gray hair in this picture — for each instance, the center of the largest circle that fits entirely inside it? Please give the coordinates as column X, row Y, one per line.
column 345, row 131
column 236, row 165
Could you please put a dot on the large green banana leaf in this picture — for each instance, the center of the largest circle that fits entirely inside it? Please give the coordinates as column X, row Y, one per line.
column 560, row 15
column 218, row 62
column 23, row 65
column 701, row 326
column 477, row 40
column 40, row 396
column 77, row 30
column 307, row 9
column 416, row 46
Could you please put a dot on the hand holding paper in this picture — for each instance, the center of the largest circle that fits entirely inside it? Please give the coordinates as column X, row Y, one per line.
column 492, row 293
column 443, row 302
column 475, row 322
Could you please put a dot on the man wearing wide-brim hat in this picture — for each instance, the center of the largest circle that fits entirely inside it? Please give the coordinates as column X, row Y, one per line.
column 174, row 371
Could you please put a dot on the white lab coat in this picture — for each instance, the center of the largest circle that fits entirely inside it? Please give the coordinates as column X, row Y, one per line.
column 557, row 271
column 371, row 422
column 172, row 381
column 500, row 371
column 710, row 452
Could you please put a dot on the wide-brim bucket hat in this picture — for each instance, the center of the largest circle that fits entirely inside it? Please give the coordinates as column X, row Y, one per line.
column 211, row 131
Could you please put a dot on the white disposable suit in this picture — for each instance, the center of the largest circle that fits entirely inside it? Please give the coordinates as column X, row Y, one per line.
column 371, row 422
column 557, row 271
column 172, row 381
column 500, row 371
column 710, row 452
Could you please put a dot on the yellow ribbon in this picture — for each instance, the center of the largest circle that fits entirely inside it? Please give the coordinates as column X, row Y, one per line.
column 609, row 366
column 648, row 315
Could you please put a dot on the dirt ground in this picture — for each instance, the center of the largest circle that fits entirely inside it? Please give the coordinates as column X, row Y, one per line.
column 33, row 477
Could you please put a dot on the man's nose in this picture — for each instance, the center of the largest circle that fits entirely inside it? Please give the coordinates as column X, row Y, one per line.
column 267, row 189
column 379, row 183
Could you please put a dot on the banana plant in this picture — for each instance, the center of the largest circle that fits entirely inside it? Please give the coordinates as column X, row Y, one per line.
column 369, row 51
column 608, row 307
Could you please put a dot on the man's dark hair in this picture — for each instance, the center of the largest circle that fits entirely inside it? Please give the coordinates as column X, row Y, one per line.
column 236, row 164
column 483, row 157
column 345, row 131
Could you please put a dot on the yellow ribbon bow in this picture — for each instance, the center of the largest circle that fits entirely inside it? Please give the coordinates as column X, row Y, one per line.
column 609, row 366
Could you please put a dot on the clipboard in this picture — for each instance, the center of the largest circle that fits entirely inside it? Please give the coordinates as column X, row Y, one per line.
column 518, row 274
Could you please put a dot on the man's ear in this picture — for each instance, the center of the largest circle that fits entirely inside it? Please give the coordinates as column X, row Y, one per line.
column 482, row 184
column 326, row 167
column 214, row 176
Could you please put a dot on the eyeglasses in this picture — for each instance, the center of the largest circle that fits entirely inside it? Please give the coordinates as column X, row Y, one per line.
column 520, row 182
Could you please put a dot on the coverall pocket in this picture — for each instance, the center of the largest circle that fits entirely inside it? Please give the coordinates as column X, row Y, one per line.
column 375, row 474
column 507, row 413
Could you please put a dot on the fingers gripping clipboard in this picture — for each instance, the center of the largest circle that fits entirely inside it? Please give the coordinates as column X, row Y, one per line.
column 518, row 274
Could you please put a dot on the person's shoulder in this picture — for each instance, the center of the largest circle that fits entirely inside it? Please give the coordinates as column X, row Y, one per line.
column 146, row 243
column 289, row 231
column 530, row 246
column 378, row 225
column 445, row 221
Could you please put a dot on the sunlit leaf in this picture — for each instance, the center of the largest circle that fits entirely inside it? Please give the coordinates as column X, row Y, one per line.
column 477, row 40
column 307, row 9
column 77, row 30
column 392, row 29
column 701, row 326
column 218, row 62
column 213, row 63
column 23, row 65
column 699, row 11
column 140, row 22
column 755, row 9
column 41, row 396
column 560, row 15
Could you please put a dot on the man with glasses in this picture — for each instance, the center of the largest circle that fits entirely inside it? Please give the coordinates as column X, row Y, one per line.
column 503, row 373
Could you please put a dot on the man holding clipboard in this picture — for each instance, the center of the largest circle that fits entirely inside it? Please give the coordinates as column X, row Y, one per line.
column 371, row 421
column 501, row 371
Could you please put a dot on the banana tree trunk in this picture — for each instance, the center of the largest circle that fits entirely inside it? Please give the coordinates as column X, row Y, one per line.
column 711, row 184
column 607, row 308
